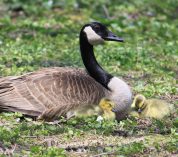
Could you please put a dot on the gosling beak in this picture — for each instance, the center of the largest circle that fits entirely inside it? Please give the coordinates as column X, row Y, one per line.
column 139, row 110
column 114, row 109
column 112, row 37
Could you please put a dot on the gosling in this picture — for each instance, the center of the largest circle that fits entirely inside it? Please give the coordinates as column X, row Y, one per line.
column 153, row 108
column 106, row 106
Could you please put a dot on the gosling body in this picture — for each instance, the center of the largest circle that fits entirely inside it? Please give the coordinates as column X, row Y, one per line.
column 154, row 108
column 106, row 107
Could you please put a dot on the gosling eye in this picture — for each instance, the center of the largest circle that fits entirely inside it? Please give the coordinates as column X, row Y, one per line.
column 109, row 104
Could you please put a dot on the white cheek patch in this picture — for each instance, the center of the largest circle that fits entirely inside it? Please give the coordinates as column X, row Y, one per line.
column 92, row 37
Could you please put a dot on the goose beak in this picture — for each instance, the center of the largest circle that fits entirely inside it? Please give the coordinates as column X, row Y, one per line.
column 112, row 37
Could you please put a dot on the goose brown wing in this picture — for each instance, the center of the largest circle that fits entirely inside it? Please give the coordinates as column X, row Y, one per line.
column 48, row 89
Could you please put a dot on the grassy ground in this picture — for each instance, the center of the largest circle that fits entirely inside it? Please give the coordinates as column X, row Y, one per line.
column 35, row 34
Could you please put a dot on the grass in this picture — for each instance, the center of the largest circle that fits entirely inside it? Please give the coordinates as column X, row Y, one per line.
column 37, row 34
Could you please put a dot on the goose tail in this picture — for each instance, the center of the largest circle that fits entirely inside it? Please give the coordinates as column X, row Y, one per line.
column 12, row 101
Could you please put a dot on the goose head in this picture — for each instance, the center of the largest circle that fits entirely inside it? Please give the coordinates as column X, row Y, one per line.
column 118, row 91
column 139, row 103
column 96, row 33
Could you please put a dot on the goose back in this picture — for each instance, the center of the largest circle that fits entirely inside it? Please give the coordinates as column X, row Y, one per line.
column 51, row 89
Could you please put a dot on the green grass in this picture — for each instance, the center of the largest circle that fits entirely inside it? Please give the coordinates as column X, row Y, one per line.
column 35, row 34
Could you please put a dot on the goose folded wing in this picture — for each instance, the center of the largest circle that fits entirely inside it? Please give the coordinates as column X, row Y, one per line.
column 48, row 89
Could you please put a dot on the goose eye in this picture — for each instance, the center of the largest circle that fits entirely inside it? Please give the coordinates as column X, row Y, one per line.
column 97, row 28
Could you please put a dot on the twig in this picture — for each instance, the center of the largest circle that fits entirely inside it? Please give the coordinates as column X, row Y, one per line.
column 13, row 149
column 106, row 12
column 29, row 136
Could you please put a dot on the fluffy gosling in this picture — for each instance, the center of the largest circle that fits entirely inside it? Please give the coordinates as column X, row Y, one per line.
column 154, row 108
column 106, row 105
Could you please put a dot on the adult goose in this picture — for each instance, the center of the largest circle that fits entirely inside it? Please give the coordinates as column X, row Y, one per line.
column 52, row 92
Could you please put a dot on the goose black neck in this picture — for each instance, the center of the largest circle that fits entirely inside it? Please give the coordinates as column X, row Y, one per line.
column 92, row 66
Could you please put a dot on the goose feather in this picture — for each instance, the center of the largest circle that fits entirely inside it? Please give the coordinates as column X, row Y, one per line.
column 49, row 92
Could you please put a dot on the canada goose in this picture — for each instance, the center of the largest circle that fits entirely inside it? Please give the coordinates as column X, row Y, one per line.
column 52, row 92
column 106, row 105
column 151, row 107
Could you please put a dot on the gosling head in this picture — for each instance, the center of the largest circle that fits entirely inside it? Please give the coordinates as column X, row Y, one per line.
column 139, row 103
column 97, row 33
column 106, row 105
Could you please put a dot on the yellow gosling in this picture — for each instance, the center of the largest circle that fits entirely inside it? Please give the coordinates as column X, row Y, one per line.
column 107, row 105
column 154, row 108
column 86, row 111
